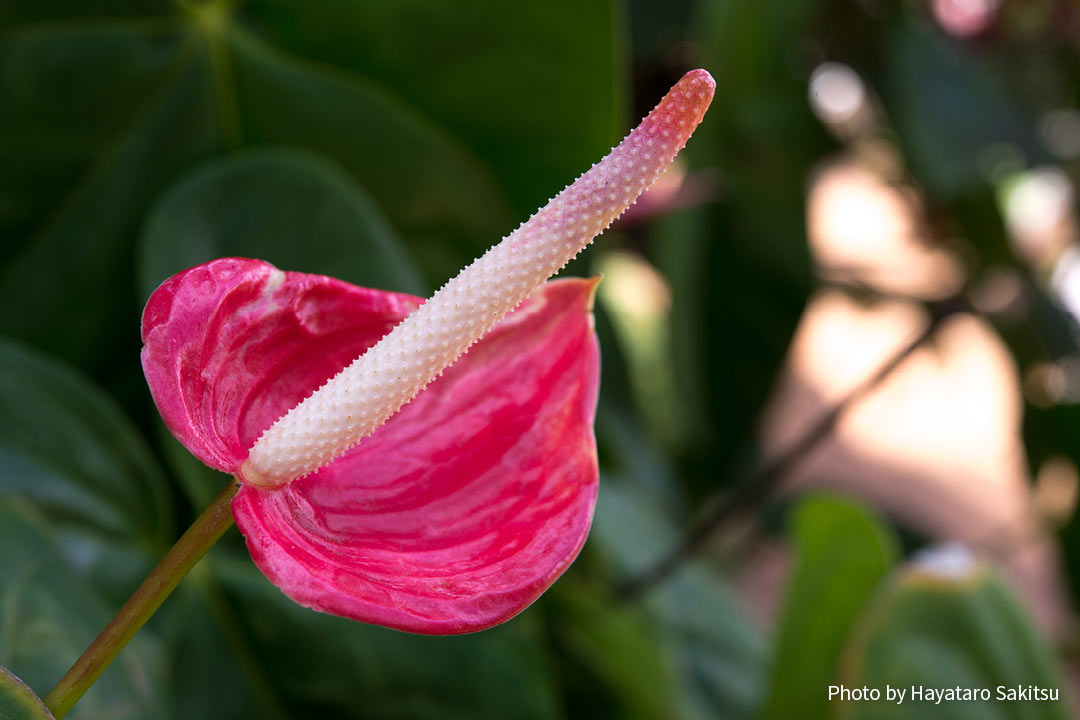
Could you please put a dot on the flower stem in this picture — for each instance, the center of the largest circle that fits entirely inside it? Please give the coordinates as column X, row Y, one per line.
column 162, row 580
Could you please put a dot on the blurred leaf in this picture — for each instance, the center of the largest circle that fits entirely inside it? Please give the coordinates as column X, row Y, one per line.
column 215, row 672
column 948, row 107
column 617, row 646
column 535, row 88
column 943, row 630
column 658, row 28
column 713, row 653
column 49, row 616
column 90, row 155
column 291, row 208
column 46, row 149
column 719, row 654
column 323, row 666
column 643, row 333
column 842, row 552
column 18, row 702
column 740, row 268
column 68, row 449
column 431, row 186
column 81, row 160
column 200, row 483
column 42, row 10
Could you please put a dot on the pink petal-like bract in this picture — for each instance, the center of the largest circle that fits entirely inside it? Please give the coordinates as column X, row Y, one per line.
column 451, row 517
column 427, row 466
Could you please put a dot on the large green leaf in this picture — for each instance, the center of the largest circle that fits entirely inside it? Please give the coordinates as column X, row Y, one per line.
column 81, row 160
column 949, row 107
column 50, row 615
column 13, row 12
column 18, row 702
column 536, row 88
column 842, row 552
column 426, row 132
column 426, row 181
column 69, row 450
column 619, row 649
column 712, row 656
column 90, row 155
column 710, row 653
column 299, row 663
column 947, row 625
column 289, row 207
column 215, row 671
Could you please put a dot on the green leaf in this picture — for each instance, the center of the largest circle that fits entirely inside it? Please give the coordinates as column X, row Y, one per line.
column 292, row 208
column 299, row 663
column 619, row 647
column 934, row 89
column 950, row 627
column 69, row 450
column 215, row 671
column 41, row 10
column 18, row 702
column 842, row 552
column 49, row 616
column 426, row 181
column 537, row 89
column 747, row 250
column 81, row 160
column 712, row 654
column 200, row 482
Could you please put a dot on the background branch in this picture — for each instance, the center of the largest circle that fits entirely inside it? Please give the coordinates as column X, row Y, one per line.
column 762, row 483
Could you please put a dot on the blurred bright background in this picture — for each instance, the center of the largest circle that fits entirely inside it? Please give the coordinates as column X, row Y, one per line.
column 839, row 425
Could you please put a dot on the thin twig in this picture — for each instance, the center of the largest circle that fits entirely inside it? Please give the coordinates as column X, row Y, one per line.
column 762, row 483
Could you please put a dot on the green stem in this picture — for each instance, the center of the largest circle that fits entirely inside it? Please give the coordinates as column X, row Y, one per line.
column 162, row 580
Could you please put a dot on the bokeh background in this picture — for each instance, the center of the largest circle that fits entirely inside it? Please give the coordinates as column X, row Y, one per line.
column 839, row 425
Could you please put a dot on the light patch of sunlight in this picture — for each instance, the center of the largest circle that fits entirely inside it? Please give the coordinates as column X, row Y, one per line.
column 1065, row 281
column 949, row 416
column 837, row 92
column 1041, row 222
column 863, row 230
column 840, row 100
column 936, row 444
column 949, row 561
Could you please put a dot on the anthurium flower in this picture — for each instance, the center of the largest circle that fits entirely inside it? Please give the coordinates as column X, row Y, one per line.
column 442, row 511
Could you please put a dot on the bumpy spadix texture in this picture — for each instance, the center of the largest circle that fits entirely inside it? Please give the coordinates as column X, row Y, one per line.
column 374, row 386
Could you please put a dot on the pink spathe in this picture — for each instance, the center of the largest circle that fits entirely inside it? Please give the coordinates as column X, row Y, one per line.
column 451, row 517
column 386, row 476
